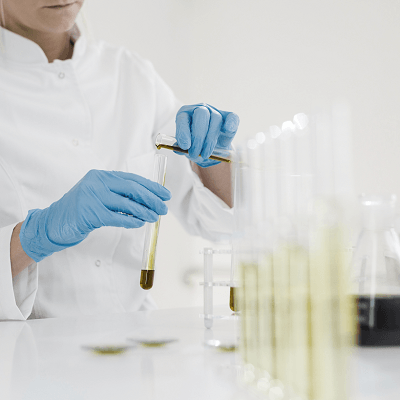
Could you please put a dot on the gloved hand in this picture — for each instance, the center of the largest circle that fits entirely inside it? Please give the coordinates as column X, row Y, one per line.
column 100, row 198
column 200, row 128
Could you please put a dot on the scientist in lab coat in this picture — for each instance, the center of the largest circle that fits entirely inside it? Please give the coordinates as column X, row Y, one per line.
column 78, row 121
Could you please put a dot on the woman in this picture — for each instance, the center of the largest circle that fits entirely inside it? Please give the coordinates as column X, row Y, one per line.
column 78, row 123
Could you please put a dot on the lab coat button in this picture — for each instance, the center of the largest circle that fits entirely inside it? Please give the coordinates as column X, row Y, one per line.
column 61, row 75
column 98, row 263
column 75, row 142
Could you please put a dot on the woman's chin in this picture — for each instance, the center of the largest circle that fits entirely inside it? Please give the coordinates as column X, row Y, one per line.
column 59, row 20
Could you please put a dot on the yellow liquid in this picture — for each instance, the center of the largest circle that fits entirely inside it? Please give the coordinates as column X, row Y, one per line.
column 227, row 349
column 299, row 321
column 280, row 261
column 153, row 344
column 266, row 319
column 249, row 309
column 146, row 279
column 179, row 150
column 108, row 350
column 232, row 303
column 331, row 322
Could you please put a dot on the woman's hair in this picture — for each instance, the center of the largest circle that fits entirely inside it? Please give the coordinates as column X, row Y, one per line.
column 83, row 24
column 3, row 21
column 2, row 24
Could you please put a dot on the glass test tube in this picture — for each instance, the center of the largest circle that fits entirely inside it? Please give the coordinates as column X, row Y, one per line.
column 150, row 242
column 233, row 303
column 169, row 142
column 235, row 259
column 233, row 300
column 208, row 289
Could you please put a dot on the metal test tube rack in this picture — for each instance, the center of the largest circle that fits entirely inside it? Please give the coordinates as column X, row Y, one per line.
column 209, row 284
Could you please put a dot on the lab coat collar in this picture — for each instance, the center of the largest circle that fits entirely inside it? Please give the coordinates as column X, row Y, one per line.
column 22, row 50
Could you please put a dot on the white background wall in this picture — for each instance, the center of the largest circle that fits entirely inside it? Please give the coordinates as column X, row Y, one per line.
column 267, row 60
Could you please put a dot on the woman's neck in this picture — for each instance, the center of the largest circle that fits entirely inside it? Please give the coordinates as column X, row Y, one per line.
column 56, row 46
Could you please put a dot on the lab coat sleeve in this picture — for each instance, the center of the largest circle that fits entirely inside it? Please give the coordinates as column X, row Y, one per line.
column 199, row 210
column 16, row 295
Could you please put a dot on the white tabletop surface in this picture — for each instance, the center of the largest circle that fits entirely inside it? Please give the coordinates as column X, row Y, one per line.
column 44, row 359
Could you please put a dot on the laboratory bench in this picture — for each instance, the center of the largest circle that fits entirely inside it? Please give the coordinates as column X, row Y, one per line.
column 51, row 359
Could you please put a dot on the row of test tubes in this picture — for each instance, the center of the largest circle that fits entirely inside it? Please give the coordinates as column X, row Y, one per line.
column 292, row 205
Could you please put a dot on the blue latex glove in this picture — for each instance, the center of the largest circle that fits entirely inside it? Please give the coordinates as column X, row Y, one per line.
column 200, row 128
column 100, row 198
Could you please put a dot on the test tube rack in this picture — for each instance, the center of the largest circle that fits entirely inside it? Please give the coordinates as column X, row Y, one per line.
column 209, row 284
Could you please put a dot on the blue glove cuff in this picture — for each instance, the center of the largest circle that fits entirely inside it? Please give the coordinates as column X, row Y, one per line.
column 34, row 239
column 209, row 162
column 206, row 163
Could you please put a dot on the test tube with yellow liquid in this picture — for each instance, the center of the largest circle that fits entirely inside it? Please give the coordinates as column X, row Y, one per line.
column 169, row 142
column 150, row 242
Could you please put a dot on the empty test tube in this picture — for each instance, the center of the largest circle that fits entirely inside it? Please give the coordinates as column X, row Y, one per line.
column 169, row 142
column 150, row 243
column 208, row 289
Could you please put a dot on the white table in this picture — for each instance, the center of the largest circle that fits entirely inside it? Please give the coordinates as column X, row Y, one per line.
column 44, row 359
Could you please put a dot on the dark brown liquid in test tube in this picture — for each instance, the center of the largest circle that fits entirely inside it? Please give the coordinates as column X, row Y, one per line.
column 386, row 315
column 233, row 299
column 146, row 279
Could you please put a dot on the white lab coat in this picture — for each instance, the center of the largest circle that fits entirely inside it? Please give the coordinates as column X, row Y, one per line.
column 100, row 110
